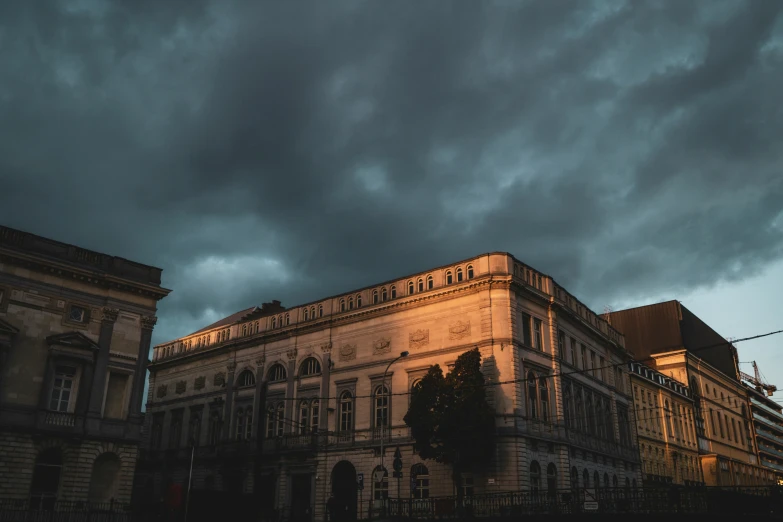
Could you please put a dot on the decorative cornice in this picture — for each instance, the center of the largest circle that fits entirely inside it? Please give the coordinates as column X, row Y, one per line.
column 148, row 322
column 109, row 315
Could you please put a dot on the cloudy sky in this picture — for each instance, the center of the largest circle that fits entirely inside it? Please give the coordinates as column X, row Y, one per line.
column 291, row 150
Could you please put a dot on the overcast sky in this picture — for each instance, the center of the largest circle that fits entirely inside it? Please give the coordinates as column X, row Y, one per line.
column 292, row 150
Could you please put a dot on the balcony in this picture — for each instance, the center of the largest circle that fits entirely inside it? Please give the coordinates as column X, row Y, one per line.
column 775, row 414
column 563, row 435
column 768, row 435
column 763, row 448
column 771, row 465
column 60, row 421
column 767, row 422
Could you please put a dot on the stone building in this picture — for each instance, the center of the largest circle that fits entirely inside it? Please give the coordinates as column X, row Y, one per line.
column 75, row 330
column 670, row 338
column 666, row 428
column 293, row 404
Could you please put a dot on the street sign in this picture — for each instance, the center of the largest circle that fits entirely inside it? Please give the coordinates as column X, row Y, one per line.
column 397, row 465
column 591, row 505
column 360, row 481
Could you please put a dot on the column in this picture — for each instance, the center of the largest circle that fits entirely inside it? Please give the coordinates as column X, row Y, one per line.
column 326, row 370
column 98, row 388
column 140, row 373
column 259, row 400
column 229, row 406
column 43, row 398
column 289, row 392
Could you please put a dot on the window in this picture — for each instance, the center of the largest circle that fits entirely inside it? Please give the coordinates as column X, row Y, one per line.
column 449, row 277
column 585, row 478
column 310, row 366
column 306, row 314
column 734, row 427
column 271, row 422
column 77, row 314
column 274, row 322
column 532, row 399
column 350, row 303
column 602, row 368
column 46, row 478
column 320, row 310
column 393, row 292
column 470, row 271
column 279, row 423
column 467, row 485
column 342, row 305
column 277, row 373
column 720, row 426
column 420, row 284
column 561, row 344
column 618, row 380
column 240, row 426
column 551, row 480
column 667, row 413
column 215, row 424
column 584, row 358
column 459, row 274
column 287, row 319
column 375, row 297
column 194, row 429
column 410, row 287
column 384, row 295
column 381, row 404
column 568, row 415
column 359, row 301
column 535, row 477
column 346, row 411
column 312, row 312
column 422, row 481
column 62, row 388
column 175, row 429
column 543, row 392
column 430, row 283
column 537, row 339
column 246, row 378
column 592, row 364
column 304, row 417
column 156, row 435
column 244, row 333
column 596, row 480
column 526, row 334
column 574, row 360
column 574, row 479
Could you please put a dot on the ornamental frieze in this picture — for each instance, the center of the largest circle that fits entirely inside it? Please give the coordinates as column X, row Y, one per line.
column 348, row 352
column 419, row 338
column 459, row 330
column 181, row 386
column 219, row 379
column 162, row 390
column 199, row 383
column 382, row 345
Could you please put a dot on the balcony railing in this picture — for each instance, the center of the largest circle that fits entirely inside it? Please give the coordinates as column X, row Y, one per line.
column 772, row 451
column 768, row 435
column 767, row 422
column 775, row 414
column 60, row 419
column 561, row 434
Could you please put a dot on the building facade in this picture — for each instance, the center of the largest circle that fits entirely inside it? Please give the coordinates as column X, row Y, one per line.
column 768, row 428
column 666, row 428
column 673, row 341
column 75, row 329
column 295, row 404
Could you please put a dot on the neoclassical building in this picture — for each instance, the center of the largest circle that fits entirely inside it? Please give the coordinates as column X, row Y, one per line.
column 75, row 330
column 294, row 404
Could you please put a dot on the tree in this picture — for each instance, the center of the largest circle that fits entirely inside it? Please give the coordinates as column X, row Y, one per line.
column 450, row 419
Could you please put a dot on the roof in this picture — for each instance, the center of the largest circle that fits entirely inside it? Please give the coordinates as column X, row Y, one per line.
column 231, row 319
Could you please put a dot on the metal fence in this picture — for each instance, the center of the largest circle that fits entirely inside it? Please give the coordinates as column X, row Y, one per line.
column 50, row 510
column 750, row 500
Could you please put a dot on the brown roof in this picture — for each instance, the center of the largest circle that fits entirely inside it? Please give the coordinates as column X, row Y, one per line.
column 231, row 319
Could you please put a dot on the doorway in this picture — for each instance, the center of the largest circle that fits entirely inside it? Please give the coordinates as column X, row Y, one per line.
column 301, row 497
column 344, row 490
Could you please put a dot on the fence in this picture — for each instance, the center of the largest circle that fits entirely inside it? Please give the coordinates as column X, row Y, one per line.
column 751, row 500
column 50, row 510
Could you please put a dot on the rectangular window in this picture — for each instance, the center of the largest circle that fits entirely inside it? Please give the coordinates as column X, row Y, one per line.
column 618, row 378
column 62, row 388
column 538, row 340
column 734, row 427
column 584, row 358
column 602, row 368
column 592, row 364
column 526, row 334
column 467, row 485
column 115, row 396
column 574, row 361
column 561, row 344
column 720, row 426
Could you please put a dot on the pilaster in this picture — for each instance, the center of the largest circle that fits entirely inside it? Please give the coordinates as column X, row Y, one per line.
column 326, row 370
column 289, row 391
column 98, row 388
column 140, row 373
column 228, row 407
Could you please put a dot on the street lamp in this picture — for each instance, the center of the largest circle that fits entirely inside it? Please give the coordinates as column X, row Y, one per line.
column 402, row 354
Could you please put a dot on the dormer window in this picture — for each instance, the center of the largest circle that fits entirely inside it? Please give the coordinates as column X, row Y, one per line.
column 358, row 300
column 449, row 277
column 394, row 292
column 375, row 297
column 410, row 287
column 420, row 283
column 430, row 283
column 459, row 274
column 470, row 271
column 384, row 295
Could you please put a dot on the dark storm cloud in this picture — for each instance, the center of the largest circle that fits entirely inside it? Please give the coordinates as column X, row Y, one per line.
column 262, row 151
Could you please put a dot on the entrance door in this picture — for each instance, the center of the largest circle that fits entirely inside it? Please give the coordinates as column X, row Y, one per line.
column 344, row 491
column 301, row 506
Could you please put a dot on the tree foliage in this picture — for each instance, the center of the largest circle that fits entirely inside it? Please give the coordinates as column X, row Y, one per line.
column 450, row 419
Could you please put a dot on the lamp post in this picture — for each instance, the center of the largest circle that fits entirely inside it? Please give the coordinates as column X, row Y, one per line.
column 192, row 443
column 388, row 420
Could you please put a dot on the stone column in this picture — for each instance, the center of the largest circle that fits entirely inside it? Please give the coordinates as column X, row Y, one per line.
column 326, row 370
column 229, row 406
column 259, row 400
column 98, row 388
column 289, row 392
column 140, row 373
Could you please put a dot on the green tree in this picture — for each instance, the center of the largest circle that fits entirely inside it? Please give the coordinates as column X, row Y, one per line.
column 450, row 419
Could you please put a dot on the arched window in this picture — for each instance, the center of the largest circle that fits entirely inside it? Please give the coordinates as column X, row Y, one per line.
column 246, row 378
column 459, row 274
column 551, row 479
column 105, row 479
column 287, row 319
column 274, row 322
column 585, row 478
column 346, row 412
column 312, row 312
column 596, row 480
column 420, row 284
column 277, row 373
column 543, row 393
column 306, row 314
column 358, row 300
column 422, row 480
column 410, row 287
column 320, row 310
column 375, row 297
column 393, row 292
column 535, row 477
column 532, row 399
column 470, row 271
column 46, row 478
column 244, row 332
column 350, row 303
column 381, row 406
column 449, row 277
column 342, row 305
column 430, row 283
column 606, row 480
column 384, row 295
column 310, row 366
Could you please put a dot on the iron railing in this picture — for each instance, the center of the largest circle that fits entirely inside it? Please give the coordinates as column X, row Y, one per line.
column 51, row 510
